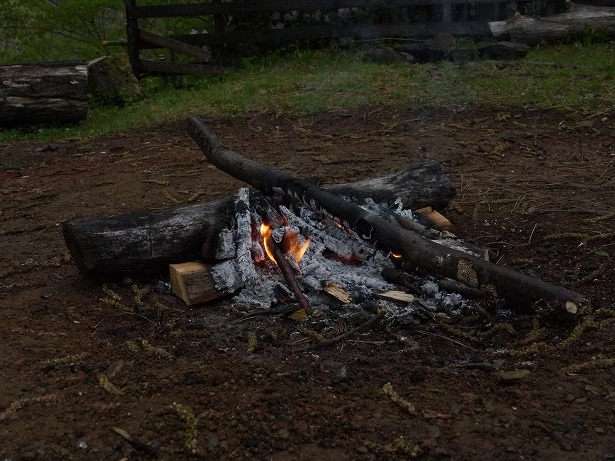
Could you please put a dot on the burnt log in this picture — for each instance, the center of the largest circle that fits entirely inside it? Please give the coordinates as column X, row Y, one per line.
column 144, row 244
column 574, row 24
column 43, row 93
column 519, row 291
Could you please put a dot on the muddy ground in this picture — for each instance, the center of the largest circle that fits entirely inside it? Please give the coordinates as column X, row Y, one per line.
column 187, row 383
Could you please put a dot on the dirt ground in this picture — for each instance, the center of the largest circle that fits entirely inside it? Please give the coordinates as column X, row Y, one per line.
column 189, row 383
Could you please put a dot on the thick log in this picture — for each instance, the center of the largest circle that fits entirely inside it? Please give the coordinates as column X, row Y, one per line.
column 574, row 24
column 54, row 92
column 143, row 244
column 425, row 184
column 519, row 291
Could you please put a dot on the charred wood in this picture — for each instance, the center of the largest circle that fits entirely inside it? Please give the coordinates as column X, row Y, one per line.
column 145, row 244
column 520, row 292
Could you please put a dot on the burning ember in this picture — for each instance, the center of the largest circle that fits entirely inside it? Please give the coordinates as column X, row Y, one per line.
column 334, row 263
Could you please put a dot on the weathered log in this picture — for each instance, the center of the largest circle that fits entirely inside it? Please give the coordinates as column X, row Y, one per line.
column 519, row 291
column 52, row 92
column 143, row 244
column 574, row 24
column 425, row 184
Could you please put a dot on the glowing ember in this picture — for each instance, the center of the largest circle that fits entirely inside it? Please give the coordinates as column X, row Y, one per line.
column 396, row 255
column 292, row 244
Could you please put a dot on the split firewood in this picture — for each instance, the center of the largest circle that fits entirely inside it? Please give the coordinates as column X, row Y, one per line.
column 336, row 291
column 196, row 283
column 519, row 291
column 396, row 295
column 434, row 219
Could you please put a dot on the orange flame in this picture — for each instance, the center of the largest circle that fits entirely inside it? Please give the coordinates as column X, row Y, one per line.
column 266, row 233
column 294, row 246
column 291, row 243
column 396, row 255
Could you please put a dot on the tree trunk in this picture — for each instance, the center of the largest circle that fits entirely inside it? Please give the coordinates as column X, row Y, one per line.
column 518, row 290
column 577, row 22
column 54, row 92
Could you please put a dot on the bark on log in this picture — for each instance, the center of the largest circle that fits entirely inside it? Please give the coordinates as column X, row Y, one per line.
column 425, row 184
column 520, row 291
column 571, row 25
column 143, row 244
column 54, row 92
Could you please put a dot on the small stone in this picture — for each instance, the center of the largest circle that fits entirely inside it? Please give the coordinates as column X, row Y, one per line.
column 362, row 449
column 593, row 389
column 599, row 430
column 82, row 445
column 514, row 376
column 570, row 397
column 283, row 434
column 213, row 442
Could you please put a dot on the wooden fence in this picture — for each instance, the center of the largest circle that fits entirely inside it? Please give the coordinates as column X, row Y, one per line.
column 406, row 19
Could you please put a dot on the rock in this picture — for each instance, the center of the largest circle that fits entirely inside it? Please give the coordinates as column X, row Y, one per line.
column 383, row 56
column 513, row 377
column 111, row 81
column 504, row 50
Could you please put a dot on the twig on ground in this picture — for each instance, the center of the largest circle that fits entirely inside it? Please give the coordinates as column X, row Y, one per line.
column 328, row 342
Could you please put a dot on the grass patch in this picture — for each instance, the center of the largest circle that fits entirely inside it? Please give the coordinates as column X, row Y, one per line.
column 568, row 77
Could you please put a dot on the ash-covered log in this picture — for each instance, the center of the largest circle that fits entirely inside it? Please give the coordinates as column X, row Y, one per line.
column 519, row 291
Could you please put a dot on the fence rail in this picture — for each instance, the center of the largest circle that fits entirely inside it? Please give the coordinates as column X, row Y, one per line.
column 416, row 19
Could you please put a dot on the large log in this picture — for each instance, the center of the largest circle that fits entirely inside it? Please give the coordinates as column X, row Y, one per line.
column 574, row 24
column 144, row 244
column 52, row 92
column 519, row 291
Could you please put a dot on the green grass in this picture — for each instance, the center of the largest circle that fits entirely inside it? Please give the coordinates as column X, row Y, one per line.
column 569, row 78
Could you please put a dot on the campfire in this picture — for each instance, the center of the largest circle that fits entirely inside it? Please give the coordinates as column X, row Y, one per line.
column 294, row 247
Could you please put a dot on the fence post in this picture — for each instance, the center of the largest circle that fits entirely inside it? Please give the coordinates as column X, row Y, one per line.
column 447, row 11
column 132, row 36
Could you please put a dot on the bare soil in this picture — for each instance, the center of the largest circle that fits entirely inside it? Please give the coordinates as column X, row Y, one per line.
column 535, row 186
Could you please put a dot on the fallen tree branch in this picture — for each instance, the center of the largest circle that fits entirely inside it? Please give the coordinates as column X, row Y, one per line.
column 520, row 292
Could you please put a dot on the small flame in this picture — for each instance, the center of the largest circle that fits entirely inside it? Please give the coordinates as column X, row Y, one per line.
column 396, row 255
column 292, row 244
column 266, row 233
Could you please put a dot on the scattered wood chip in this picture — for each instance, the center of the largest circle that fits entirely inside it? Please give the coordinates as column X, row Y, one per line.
column 395, row 295
column 336, row 291
column 435, row 219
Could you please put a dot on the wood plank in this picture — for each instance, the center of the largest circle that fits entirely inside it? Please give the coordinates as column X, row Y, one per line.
column 367, row 31
column 152, row 68
column 245, row 7
column 175, row 45
column 194, row 283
